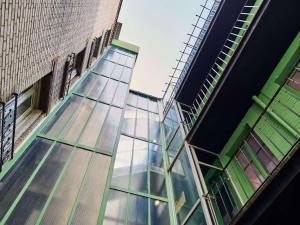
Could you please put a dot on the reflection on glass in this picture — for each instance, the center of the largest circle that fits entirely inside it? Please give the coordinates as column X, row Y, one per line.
column 126, row 75
column 129, row 121
column 157, row 184
column 104, row 67
column 184, row 187
column 58, row 121
column 120, row 96
column 109, row 91
column 154, row 128
column 71, row 133
column 170, row 124
column 153, row 107
column 123, row 59
column 138, row 210
column 175, row 143
column 94, row 125
column 159, row 212
column 197, row 218
column 139, row 166
column 142, row 124
column 96, row 86
column 155, row 156
column 115, row 208
column 109, row 130
column 132, row 99
column 142, row 103
column 117, row 72
column 122, row 164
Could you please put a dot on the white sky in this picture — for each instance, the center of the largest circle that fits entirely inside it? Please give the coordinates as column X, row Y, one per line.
column 159, row 28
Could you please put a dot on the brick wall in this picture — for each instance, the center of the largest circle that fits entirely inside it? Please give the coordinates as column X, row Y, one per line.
column 34, row 32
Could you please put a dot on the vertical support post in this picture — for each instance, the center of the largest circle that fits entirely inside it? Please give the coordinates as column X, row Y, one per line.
column 2, row 134
column 14, row 126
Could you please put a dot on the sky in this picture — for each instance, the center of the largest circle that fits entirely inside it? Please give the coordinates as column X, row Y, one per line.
column 159, row 28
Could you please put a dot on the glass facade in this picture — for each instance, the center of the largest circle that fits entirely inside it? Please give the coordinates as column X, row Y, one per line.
column 138, row 184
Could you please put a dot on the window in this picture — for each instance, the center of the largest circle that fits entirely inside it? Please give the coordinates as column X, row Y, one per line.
column 264, row 155
column 250, row 170
column 294, row 80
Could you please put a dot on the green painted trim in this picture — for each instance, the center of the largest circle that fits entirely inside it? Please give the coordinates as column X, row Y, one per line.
column 125, row 45
column 276, row 117
column 12, row 207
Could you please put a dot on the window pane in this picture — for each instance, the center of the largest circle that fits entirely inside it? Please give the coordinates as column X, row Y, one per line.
column 85, row 85
column 122, row 164
column 126, row 75
column 251, row 173
column 110, row 130
column 138, row 210
column 120, row 96
column 116, row 74
column 58, row 121
column 159, row 213
column 156, row 157
column 97, row 85
column 91, row 132
column 130, row 61
column 242, row 159
column 115, row 208
column 154, row 128
column 140, row 166
column 129, row 121
column 158, row 184
column 71, row 133
column 109, row 91
column 123, row 59
column 104, row 67
column 142, row 124
column 175, row 144
column 23, row 107
column 153, row 107
column 142, row 103
column 294, row 81
column 185, row 190
column 197, row 218
column 132, row 99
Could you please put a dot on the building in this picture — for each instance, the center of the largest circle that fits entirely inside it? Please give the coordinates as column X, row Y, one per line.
column 117, row 30
column 220, row 148
column 44, row 47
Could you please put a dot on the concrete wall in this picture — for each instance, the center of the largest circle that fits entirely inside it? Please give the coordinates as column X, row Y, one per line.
column 34, row 32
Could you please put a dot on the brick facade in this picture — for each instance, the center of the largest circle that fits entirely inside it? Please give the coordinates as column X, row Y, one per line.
column 33, row 33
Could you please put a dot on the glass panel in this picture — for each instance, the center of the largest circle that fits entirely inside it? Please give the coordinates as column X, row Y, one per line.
column 294, row 81
column 142, row 103
column 113, row 56
column 132, row 99
column 139, row 166
column 97, row 85
column 58, row 121
column 122, row 164
column 156, row 157
column 115, row 208
column 154, row 128
column 170, row 124
column 123, row 59
column 126, row 75
column 117, row 72
column 175, row 144
column 85, row 85
column 185, row 190
column 158, row 184
column 159, row 213
column 93, row 128
column 128, row 125
column 252, row 174
column 109, row 91
column 130, row 62
column 23, row 107
column 138, row 210
column 120, row 95
column 153, row 107
column 197, row 218
column 14, row 180
column 104, row 67
column 71, row 133
column 142, row 124
column 110, row 130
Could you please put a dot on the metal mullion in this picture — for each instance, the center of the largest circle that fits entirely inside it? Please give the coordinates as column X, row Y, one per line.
column 141, row 139
column 116, row 63
column 191, row 212
column 227, row 191
column 210, row 166
column 177, row 155
column 228, row 213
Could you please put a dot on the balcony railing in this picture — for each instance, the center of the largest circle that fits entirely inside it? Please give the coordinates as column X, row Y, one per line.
column 191, row 46
column 225, row 55
column 228, row 192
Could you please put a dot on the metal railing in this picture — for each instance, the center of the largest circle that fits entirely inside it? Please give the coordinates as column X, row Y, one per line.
column 191, row 46
column 223, row 59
